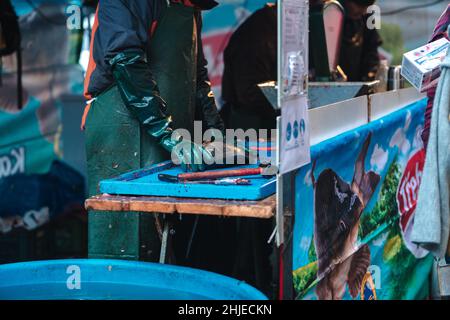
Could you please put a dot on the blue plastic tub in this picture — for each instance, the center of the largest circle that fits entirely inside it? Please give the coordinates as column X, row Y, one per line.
column 93, row 279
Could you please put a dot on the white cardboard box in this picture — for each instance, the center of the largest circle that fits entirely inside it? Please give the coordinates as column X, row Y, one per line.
column 422, row 66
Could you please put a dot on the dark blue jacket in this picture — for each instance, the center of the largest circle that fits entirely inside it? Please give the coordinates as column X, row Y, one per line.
column 128, row 24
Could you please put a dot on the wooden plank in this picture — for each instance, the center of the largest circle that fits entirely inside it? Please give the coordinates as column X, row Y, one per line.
column 263, row 209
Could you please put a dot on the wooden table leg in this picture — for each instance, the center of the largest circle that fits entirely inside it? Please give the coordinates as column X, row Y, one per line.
column 165, row 236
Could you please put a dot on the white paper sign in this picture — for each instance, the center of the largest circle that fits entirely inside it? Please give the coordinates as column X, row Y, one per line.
column 294, row 48
column 295, row 148
column 293, row 88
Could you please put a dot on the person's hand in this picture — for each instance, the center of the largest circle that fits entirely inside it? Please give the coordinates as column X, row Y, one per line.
column 191, row 156
column 231, row 154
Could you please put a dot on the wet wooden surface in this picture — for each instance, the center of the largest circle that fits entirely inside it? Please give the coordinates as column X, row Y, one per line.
column 263, row 209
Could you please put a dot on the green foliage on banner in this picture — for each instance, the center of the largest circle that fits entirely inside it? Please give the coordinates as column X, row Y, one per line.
column 402, row 263
column 385, row 210
column 304, row 278
column 312, row 256
column 395, row 254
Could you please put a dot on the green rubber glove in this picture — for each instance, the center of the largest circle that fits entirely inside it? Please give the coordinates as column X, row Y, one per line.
column 191, row 156
column 140, row 94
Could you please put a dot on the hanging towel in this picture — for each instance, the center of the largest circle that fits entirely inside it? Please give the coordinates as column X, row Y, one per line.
column 432, row 221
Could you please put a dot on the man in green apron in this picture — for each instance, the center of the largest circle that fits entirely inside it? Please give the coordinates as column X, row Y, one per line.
column 147, row 77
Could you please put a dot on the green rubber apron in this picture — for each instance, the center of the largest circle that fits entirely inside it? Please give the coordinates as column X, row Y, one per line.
column 115, row 142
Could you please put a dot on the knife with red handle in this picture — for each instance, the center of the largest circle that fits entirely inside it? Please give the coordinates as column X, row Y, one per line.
column 211, row 175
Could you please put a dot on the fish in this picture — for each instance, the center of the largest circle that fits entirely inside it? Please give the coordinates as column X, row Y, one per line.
column 338, row 206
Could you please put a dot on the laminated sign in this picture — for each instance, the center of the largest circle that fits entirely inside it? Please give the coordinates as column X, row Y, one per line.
column 294, row 134
column 294, row 48
column 293, row 88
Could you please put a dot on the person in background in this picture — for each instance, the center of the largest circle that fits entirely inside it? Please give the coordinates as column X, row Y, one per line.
column 249, row 59
column 359, row 57
column 440, row 31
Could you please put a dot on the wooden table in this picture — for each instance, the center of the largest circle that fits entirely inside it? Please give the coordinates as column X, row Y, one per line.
column 263, row 209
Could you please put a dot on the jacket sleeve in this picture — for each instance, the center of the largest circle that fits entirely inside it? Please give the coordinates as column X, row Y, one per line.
column 206, row 108
column 123, row 36
column 122, row 26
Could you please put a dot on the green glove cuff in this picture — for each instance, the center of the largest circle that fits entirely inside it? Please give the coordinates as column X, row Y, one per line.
column 169, row 140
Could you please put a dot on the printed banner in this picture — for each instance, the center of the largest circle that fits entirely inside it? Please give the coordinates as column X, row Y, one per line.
column 355, row 211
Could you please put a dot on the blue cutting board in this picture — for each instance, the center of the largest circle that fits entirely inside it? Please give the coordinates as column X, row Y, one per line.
column 145, row 182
